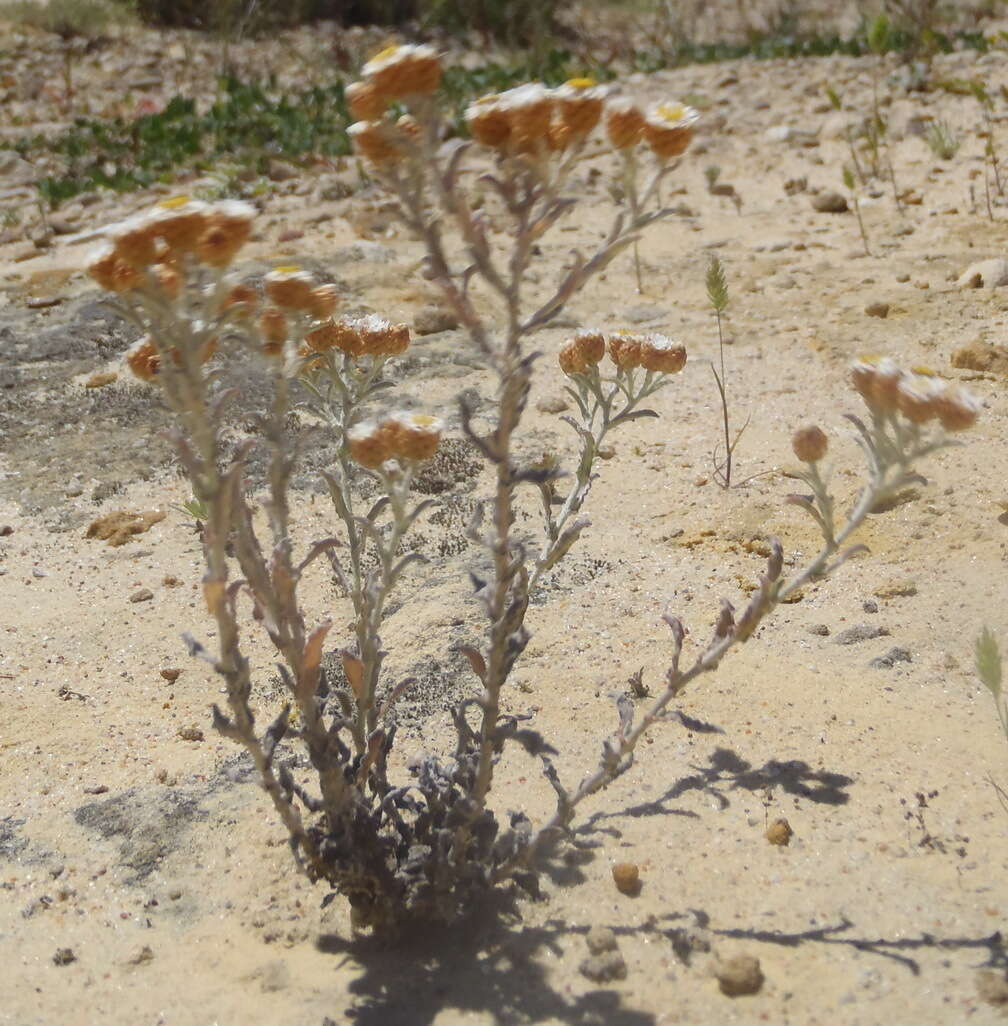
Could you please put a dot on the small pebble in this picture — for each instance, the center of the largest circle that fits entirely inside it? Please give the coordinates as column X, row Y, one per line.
column 626, row 876
column 64, row 956
column 739, row 975
column 779, row 832
column 871, row 606
column 877, row 310
column 891, row 658
column 190, row 733
column 604, row 968
column 820, row 629
column 830, row 203
column 552, row 404
column 143, row 595
column 862, row 632
column 601, row 939
column 171, row 674
column 993, row 987
column 434, row 319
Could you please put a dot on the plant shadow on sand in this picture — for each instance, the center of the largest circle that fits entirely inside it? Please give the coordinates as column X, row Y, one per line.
column 727, row 770
column 486, row 964
column 493, row 965
column 489, row 963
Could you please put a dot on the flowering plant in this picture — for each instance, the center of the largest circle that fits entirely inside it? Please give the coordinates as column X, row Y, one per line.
column 427, row 846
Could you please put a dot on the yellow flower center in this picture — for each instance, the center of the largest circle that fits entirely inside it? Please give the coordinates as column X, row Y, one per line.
column 423, row 420
column 174, row 202
column 924, row 372
column 580, row 83
column 287, row 269
column 389, row 51
column 671, row 111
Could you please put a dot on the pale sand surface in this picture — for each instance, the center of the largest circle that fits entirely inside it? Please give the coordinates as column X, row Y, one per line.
column 160, row 864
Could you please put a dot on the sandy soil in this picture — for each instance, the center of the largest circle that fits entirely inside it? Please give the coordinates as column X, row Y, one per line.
column 156, row 860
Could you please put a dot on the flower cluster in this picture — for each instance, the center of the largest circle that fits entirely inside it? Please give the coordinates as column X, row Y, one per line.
column 404, row 437
column 359, row 336
column 888, row 390
column 653, row 352
column 397, row 74
column 154, row 247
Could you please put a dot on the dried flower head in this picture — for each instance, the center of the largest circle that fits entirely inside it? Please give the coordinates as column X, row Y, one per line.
column 409, row 129
column 810, row 444
column 582, row 352
column 915, row 399
column 529, row 110
column 878, row 382
column 290, row 288
column 402, row 71
column 168, row 279
column 365, row 102
column 135, row 242
column 668, row 129
column 369, row 444
column 143, row 359
column 379, row 337
column 113, row 273
column 273, row 328
column 180, row 222
column 956, row 409
column 488, row 122
column 579, row 103
column 624, row 123
column 323, row 302
column 321, row 339
column 242, row 299
column 228, row 227
column 662, row 354
column 413, row 437
column 625, row 350
column 377, row 141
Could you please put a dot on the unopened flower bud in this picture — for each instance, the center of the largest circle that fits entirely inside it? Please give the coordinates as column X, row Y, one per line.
column 662, row 355
column 376, row 141
column 366, row 103
column 915, row 400
column 135, row 242
column 143, row 359
column 488, row 122
column 625, row 350
column 369, row 444
column 413, row 437
column 181, row 222
column 624, row 124
column 810, row 444
column 273, row 326
column 402, row 71
column 957, row 410
column 323, row 302
column 111, row 272
column 290, row 288
column 579, row 105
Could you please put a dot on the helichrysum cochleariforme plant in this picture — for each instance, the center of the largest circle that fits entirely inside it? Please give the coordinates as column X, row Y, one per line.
column 427, row 846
